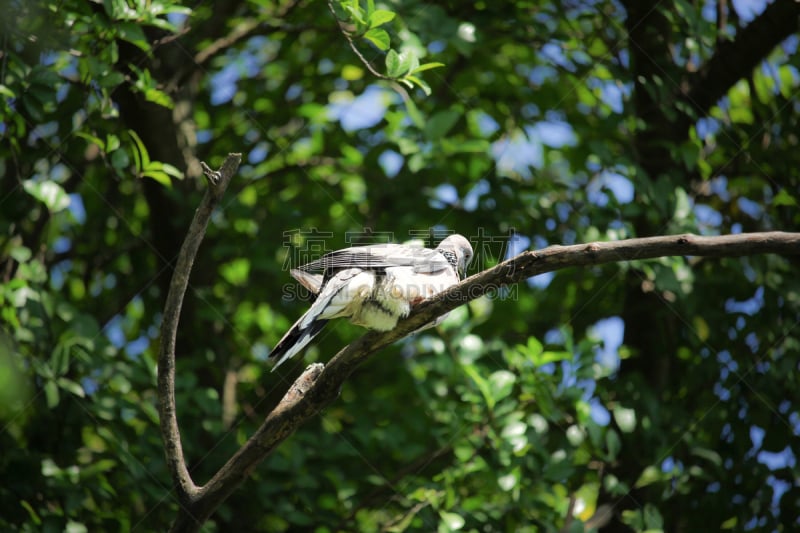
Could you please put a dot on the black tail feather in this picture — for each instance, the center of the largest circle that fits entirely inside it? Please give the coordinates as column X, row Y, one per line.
column 294, row 336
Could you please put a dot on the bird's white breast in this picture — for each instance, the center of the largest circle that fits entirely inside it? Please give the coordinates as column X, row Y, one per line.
column 395, row 292
column 385, row 305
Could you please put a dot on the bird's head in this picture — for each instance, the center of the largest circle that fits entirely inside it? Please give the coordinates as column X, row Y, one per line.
column 462, row 249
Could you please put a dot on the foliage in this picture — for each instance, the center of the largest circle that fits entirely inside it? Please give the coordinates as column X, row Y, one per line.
column 544, row 123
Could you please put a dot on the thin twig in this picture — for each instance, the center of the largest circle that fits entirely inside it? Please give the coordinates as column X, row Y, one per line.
column 355, row 49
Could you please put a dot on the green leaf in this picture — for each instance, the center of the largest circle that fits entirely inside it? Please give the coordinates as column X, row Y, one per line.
column 711, row 455
column 157, row 175
column 422, row 85
column 625, row 418
column 379, row 17
column 31, row 512
column 786, row 77
column 112, row 142
column 408, row 62
column 140, row 155
column 683, row 206
column 393, row 64
column 741, row 115
column 507, row 482
column 44, row 77
column 379, row 38
column 151, row 94
column 763, row 85
column 352, row 72
column 71, row 386
column 6, row 92
column 59, row 359
column 649, row 475
column 33, row 107
column 452, row 521
column 115, row 9
column 784, row 198
column 482, row 384
column 575, row 435
column 98, row 467
column 501, row 383
column 145, row 84
column 75, row 527
column 111, row 80
column 92, row 139
column 441, row 123
column 652, row 519
column 355, row 11
column 514, row 429
column 415, row 116
column 236, row 272
column 49, row 193
column 133, row 33
column 426, row 66
column 20, row 253
column 471, row 146
column 551, row 357
column 155, row 170
column 166, row 168
column 51, row 393
column 50, row 468
column 120, row 160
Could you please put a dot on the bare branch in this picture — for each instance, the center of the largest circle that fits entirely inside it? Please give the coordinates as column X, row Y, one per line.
column 319, row 385
column 170, row 433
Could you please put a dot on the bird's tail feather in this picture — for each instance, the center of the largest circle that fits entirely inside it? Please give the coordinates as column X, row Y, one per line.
column 295, row 340
column 312, row 282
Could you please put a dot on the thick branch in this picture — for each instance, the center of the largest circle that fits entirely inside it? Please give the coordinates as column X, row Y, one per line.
column 317, row 387
column 170, row 433
column 734, row 60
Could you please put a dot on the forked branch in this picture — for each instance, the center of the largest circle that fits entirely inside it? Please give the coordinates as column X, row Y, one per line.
column 319, row 384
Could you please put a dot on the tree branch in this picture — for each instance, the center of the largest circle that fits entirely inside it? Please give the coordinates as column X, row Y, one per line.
column 319, row 384
column 735, row 59
column 170, row 433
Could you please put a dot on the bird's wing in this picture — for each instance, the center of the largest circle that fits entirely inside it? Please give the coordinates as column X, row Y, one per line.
column 340, row 296
column 380, row 256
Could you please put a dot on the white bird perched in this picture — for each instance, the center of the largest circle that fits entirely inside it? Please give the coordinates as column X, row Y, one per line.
column 374, row 286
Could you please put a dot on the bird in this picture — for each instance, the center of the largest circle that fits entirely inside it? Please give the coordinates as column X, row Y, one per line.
column 373, row 286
